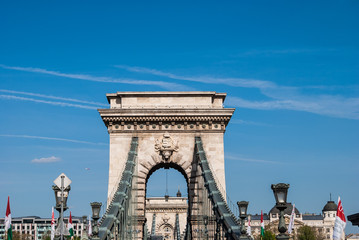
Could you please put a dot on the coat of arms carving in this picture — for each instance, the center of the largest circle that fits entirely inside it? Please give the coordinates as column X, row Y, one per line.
column 166, row 146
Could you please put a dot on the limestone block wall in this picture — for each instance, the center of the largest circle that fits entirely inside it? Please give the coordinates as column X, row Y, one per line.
column 166, row 124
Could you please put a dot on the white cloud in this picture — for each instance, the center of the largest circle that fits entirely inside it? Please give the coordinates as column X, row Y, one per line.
column 53, row 97
column 46, row 160
column 51, row 138
column 165, row 85
column 245, row 122
column 234, row 82
column 334, row 106
column 280, row 97
column 63, row 104
column 239, row 158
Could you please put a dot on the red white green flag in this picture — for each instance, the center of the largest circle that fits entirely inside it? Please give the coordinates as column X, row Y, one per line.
column 340, row 222
column 70, row 227
column 8, row 227
column 262, row 225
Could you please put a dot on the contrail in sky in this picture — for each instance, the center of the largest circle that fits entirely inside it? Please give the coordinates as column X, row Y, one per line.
column 53, row 97
column 51, row 138
column 165, row 85
column 63, row 104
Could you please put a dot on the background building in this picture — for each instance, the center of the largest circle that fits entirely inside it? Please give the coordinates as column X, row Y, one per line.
column 322, row 223
column 167, row 216
column 36, row 227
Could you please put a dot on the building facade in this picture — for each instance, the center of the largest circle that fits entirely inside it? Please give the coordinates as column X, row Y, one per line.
column 322, row 223
column 35, row 228
column 166, row 217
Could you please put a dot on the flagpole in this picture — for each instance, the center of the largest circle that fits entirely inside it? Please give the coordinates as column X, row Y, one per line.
column 62, row 209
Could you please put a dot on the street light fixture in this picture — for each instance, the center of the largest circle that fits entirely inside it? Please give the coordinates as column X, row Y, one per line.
column 243, row 205
column 57, row 192
column 280, row 192
column 96, row 207
column 61, row 206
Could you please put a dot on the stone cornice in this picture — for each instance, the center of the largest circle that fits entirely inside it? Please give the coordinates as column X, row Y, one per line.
column 166, row 119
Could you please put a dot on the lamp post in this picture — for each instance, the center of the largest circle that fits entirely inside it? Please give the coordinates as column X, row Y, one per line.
column 280, row 192
column 243, row 205
column 96, row 207
column 61, row 206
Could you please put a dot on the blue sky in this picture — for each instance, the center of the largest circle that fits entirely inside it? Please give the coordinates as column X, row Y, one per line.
column 289, row 68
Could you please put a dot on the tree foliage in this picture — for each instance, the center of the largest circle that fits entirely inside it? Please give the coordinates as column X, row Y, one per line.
column 308, row 233
column 268, row 235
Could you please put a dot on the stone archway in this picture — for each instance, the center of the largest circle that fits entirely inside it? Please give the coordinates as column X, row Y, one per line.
column 184, row 164
column 166, row 124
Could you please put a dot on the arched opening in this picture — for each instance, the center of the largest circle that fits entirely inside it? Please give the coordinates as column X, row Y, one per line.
column 166, row 201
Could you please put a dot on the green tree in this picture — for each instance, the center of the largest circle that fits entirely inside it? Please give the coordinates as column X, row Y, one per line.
column 308, row 233
column 268, row 235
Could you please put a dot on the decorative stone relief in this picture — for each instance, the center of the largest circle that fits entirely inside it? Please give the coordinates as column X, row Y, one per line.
column 165, row 218
column 166, row 146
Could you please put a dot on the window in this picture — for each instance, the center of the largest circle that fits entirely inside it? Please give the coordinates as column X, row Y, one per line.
column 328, row 230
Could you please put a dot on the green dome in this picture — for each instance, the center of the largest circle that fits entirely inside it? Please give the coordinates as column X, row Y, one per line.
column 330, row 206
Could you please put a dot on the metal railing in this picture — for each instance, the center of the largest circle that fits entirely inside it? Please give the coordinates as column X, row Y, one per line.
column 118, row 220
column 224, row 217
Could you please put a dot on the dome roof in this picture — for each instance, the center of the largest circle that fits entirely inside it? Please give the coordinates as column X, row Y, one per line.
column 287, row 211
column 179, row 194
column 330, row 206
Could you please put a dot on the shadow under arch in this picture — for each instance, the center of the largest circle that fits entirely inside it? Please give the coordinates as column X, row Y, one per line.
column 166, row 165
column 172, row 165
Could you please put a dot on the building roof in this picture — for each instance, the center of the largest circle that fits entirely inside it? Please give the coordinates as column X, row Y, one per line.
column 258, row 217
column 312, row 217
column 287, row 211
column 330, row 206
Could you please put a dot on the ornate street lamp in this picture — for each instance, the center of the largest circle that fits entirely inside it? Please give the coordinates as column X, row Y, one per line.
column 61, row 206
column 243, row 205
column 57, row 192
column 280, row 191
column 96, row 207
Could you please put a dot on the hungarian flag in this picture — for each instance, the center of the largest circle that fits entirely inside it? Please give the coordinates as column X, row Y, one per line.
column 8, row 228
column 52, row 224
column 262, row 224
column 340, row 222
column 70, row 227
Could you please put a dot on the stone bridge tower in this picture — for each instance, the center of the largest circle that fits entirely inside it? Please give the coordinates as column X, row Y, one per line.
column 166, row 124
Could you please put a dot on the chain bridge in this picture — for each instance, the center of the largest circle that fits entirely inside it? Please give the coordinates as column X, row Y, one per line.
column 180, row 130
